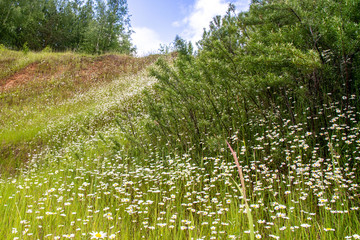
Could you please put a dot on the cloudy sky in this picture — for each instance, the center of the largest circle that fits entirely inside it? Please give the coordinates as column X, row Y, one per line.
column 157, row 22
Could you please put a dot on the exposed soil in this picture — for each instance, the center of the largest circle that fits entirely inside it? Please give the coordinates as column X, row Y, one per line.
column 53, row 79
column 83, row 70
column 20, row 77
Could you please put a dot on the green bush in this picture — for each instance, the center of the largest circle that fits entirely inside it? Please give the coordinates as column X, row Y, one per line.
column 25, row 48
column 272, row 64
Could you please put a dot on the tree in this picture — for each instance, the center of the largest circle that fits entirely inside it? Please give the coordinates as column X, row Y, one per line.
column 109, row 31
column 273, row 63
column 93, row 27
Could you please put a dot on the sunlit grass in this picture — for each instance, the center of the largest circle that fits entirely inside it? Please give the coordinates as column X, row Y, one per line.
column 97, row 174
column 170, row 197
column 64, row 88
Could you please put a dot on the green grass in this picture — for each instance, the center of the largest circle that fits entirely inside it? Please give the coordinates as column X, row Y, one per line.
column 91, row 168
column 62, row 87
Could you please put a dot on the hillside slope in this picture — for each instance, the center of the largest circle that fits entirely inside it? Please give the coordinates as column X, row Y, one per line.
column 79, row 162
column 41, row 91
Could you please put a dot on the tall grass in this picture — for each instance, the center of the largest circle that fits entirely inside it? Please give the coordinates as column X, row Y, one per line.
column 58, row 89
column 98, row 174
column 88, row 187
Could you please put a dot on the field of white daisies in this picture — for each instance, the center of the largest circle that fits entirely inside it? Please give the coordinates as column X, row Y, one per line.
column 90, row 178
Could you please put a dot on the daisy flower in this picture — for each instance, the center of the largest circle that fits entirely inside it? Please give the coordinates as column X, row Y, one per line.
column 98, row 235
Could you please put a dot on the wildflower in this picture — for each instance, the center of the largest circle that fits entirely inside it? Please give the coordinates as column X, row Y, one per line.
column 108, row 216
column 305, row 225
column 282, row 228
column 98, row 235
column 69, row 235
column 274, row 236
column 258, row 236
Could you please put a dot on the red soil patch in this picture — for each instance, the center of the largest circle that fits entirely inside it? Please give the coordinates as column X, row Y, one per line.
column 83, row 70
column 106, row 67
column 24, row 75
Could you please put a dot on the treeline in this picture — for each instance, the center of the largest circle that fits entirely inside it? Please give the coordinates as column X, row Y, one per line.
column 91, row 26
column 281, row 63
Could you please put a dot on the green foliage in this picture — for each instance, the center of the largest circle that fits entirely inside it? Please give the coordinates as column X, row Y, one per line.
column 54, row 90
column 25, row 48
column 47, row 49
column 166, row 48
column 88, row 26
column 93, row 171
column 273, row 64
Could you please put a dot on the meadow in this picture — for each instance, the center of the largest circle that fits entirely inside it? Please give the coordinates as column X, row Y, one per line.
column 85, row 169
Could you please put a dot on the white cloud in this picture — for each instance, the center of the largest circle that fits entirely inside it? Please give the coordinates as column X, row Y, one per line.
column 242, row 5
column 146, row 40
column 202, row 14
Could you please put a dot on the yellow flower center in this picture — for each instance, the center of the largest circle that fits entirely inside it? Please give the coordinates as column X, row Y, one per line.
column 98, row 235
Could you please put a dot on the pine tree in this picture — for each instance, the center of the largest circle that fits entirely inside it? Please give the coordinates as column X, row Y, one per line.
column 272, row 63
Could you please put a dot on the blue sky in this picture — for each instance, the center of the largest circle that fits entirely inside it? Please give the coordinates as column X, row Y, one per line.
column 157, row 22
